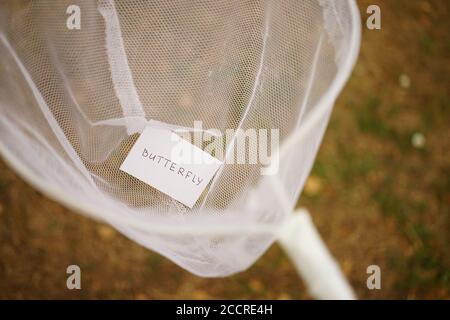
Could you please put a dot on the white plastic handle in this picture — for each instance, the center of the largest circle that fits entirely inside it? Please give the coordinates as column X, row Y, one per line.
column 316, row 266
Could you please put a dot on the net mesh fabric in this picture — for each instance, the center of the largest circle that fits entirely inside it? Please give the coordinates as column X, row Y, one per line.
column 72, row 103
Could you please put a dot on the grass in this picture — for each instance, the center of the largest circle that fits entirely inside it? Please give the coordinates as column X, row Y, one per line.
column 425, row 268
column 381, row 201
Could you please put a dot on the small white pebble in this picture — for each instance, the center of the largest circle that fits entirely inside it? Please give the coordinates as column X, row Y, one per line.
column 418, row 140
column 404, row 81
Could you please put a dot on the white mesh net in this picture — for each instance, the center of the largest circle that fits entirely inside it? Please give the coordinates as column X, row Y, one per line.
column 73, row 102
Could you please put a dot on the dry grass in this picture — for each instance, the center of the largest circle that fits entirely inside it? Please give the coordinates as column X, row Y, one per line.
column 374, row 197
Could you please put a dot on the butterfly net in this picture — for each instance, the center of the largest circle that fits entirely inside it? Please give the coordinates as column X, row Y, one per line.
column 73, row 101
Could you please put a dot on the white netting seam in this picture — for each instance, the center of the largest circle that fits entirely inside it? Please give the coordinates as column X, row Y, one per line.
column 120, row 70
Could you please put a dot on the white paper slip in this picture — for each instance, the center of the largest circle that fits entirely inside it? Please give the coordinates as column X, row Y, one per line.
column 165, row 161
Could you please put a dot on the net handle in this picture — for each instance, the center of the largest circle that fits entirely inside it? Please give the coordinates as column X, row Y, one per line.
column 314, row 263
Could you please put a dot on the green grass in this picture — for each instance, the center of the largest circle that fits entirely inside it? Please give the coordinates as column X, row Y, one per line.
column 427, row 43
column 369, row 121
column 425, row 268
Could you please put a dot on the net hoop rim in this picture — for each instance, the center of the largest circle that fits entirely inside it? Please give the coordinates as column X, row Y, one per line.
column 319, row 110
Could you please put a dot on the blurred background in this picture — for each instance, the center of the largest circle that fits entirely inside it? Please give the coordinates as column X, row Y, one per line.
column 379, row 192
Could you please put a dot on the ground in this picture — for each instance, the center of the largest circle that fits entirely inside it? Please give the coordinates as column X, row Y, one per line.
column 379, row 192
